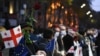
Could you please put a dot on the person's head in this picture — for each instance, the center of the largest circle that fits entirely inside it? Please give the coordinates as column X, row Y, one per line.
column 48, row 34
column 1, row 29
column 41, row 53
column 89, row 32
column 71, row 32
column 62, row 29
column 76, row 36
column 56, row 31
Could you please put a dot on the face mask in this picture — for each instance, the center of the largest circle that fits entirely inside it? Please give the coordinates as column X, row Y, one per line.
column 63, row 32
column 56, row 34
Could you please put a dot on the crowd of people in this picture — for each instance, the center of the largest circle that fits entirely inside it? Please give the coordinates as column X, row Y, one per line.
column 58, row 40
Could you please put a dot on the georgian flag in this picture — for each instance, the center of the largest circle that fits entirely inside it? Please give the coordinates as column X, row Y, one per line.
column 12, row 37
column 71, row 50
column 77, row 52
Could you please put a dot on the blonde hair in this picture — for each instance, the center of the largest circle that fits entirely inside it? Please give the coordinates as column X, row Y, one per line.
column 2, row 28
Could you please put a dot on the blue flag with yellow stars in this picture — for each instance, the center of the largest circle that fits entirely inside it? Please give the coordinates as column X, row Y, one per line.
column 21, row 49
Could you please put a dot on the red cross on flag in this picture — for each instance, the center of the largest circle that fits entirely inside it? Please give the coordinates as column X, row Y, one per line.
column 71, row 50
column 12, row 37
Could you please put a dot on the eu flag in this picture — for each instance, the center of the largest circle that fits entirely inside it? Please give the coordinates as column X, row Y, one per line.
column 50, row 45
column 21, row 49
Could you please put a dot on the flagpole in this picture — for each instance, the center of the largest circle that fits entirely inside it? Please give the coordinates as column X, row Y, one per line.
column 28, row 49
column 28, row 42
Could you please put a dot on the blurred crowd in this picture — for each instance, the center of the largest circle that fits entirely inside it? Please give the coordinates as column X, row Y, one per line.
column 58, row 40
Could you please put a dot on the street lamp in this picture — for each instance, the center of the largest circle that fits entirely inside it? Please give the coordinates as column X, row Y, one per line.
column 83, row 5
column 88, row 12
column 11, row 9
column 91, row 16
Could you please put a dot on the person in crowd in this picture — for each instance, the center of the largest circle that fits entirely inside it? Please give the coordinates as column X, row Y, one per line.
column 77, row 46
column 94, row 36
column 60, row 38
column 28, row 36
column 43, row 42
column 26, row 46
column 97, row 43
column 59, row 49
column 41, row 53
column 37, row 34
column 68, row 41
column 83, row 43
column 89, row 39
column 62, row 30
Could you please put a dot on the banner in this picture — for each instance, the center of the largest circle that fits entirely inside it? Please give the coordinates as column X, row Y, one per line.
column 12, row 37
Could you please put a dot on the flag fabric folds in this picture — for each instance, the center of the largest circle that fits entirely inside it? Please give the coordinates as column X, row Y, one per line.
column 21, row 49
column 78, row 50
column 50, row 45
column 71, row 50
column 12, row 37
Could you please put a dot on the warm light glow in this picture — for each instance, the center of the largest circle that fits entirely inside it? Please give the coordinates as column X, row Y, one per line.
column 76, row 21
column 71, row 24
column 49, row 24
column 76, row 26
column 52, row 19
column 56, row 19
column 52, row 12
column 58, row 4
column 11, row 9
column 66, row 12
column 49, row 10
column 83, row 5
column 92, row 20
column 88, row 12
column 61, row 21
column 71, row 14
column 47, row 16
column 67, row 22
column 91, row 16
column 52, row 6
column 62, row 7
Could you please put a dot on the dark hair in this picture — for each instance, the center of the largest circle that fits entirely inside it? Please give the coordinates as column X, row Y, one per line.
column 48, row 33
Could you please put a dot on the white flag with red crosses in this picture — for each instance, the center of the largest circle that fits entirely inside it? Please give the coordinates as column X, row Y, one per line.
column 12, row 37
column 71, row 49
